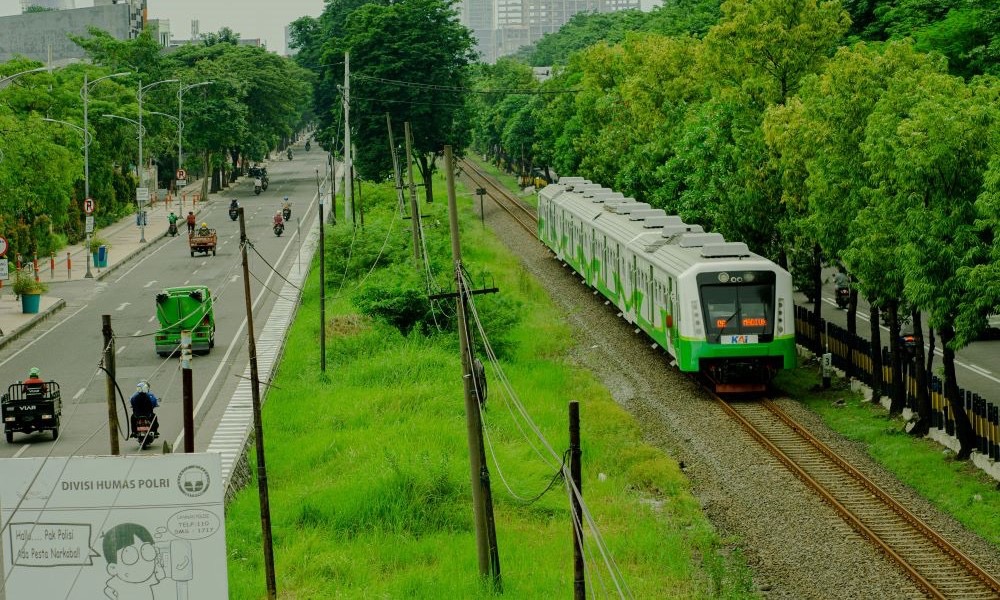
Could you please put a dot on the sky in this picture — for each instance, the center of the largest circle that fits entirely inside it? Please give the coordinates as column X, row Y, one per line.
column 264, row 19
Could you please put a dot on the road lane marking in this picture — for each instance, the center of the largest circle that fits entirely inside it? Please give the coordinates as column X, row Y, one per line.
column 122, row 306
column 150, row 284
column 21, row 451
column 32, row 342
column 80, row 393
column 120, row 350
column 136, row 334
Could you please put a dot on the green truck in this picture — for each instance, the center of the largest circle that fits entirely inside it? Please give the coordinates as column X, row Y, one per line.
column 185, row 308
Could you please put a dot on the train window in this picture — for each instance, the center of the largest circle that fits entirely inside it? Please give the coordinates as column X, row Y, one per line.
column 739, row 309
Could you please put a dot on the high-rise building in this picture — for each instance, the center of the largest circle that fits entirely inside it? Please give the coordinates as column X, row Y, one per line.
column 43, row 35
column 500, row 27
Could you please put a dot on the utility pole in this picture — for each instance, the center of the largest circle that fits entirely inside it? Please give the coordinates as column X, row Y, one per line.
column 348, row 162
column 482, row 501
column 322, row 286
column 397, row 177
column 187, row 387
column 109, row 366
column 414, row 207
column 258, row 428
column 576, row 492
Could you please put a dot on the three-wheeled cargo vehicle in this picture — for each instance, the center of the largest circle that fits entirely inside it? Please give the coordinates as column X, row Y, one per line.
column 185, row 308
column 31, row 407
column 203, row 240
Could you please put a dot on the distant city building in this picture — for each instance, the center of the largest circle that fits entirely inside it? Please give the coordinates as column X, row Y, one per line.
column 44, row 36
column 49, row 4
column 501, row 27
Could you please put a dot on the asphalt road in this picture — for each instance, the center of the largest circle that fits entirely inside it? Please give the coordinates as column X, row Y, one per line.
column 68, row 346
column 977, row 366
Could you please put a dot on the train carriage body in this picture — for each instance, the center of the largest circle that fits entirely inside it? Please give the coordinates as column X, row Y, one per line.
column 717, row 308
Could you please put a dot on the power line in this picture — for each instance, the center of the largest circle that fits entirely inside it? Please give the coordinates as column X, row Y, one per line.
column 461, row 90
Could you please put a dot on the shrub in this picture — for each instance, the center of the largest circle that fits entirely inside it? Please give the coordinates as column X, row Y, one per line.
column 24, row 283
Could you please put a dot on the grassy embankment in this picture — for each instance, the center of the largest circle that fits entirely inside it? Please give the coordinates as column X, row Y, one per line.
column 368, row 463
column 955, row 487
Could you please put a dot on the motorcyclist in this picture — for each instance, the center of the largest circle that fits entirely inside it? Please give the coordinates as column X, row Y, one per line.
column 143, row 402
column 286, row 208
column 841, row 280
column 172, row 223
column 204, row 230
column 191, row 221
column 289, row 154
column 234, row 203
column 34, row 383
column 278, row 219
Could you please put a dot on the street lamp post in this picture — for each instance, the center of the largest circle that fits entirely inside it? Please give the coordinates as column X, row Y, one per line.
column 140, row 131
column 180, row 119
column 85, row 94
column 10, row 78
column 142, row 173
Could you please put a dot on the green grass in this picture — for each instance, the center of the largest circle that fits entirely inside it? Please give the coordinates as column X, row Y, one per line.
column 368, row 464
column 956, row 487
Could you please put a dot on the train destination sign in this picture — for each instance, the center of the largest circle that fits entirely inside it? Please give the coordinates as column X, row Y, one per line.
column 91, row 527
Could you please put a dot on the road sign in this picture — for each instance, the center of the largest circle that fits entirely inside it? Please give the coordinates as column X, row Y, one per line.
column 181, row 183
column 182, row 174
column 142, row 195
column 3, row 245
column 90, row 224
column 4, row 269
column 88, row 206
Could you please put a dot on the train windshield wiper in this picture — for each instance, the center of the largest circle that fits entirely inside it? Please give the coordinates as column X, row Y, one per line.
column 725, row 323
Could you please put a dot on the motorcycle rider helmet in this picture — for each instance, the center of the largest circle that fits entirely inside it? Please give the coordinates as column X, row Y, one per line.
column 204, row 225
column 286, row 198
column 142, row 386
column 33, row 372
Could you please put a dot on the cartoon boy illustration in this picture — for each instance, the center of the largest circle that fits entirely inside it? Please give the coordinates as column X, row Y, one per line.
column 133, row 563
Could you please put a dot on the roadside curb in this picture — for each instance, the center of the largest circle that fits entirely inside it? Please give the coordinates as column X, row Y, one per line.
column 12, row 335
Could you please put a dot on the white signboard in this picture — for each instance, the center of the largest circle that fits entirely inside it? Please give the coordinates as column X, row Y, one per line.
column 142, row 196
column 4, row 269
column 90, row 224
column 120, row 527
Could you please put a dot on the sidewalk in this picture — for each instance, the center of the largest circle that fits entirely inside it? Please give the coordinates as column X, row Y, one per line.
column 70, row 263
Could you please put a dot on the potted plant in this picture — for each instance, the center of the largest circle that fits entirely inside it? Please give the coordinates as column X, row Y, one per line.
column 100, row 258
column 29, row 290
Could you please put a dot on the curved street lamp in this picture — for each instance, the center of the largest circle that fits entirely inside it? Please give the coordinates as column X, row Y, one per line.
column 180, row 118
column 10, row 78
column 138, row 167
column 87, row 138
column 142, row 132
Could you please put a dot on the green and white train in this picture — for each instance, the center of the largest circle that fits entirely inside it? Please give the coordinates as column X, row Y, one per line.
column 717, row 308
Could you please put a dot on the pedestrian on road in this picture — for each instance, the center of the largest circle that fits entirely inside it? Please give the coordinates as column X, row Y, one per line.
column 191, row 221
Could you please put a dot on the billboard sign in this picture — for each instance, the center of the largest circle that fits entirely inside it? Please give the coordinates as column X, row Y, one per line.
column 90, row 527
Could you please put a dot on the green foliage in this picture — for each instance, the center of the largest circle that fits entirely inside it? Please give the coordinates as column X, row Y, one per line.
column 24, row 283
column 398, row 296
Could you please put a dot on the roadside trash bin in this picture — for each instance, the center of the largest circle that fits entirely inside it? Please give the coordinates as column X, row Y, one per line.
column 101, row 257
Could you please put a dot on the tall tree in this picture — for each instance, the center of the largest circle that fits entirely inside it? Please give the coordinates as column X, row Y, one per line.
column 410, row 60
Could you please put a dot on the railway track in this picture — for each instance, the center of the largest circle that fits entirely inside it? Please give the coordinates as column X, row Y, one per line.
column 525, row 216
column 936, row 566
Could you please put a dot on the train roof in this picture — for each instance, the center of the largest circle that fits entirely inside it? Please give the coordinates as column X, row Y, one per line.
column 666, row 240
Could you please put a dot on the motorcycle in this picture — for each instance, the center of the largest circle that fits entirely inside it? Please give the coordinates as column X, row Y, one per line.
column 144, row 427
column 307, row 146
column 279, row 228
column 257, row 185
column 289, row 154
column 286, row 213
column 172, row 228
column 234, row 213
column 843, row 297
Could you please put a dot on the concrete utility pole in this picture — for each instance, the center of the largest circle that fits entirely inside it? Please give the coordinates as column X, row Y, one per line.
column 397, row 177
column 258, row 428
column 322, row 285
column 348, row 162
column 482, row 501
column 414, row 207
column 109, row 366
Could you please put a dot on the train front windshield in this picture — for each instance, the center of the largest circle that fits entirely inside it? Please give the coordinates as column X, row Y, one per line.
column 739, row 311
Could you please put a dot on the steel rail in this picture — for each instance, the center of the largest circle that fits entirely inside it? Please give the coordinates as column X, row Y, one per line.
column 501, row 196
